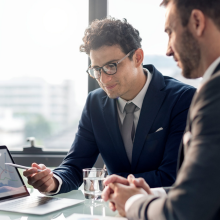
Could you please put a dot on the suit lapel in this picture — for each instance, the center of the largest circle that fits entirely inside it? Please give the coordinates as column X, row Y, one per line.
column 150, row 107
column 188, row 128
column 111, row 121
column 216, row 69
column 181, row 148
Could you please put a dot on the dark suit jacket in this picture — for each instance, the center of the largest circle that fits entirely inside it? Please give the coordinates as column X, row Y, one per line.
column 154, row 155
column 195, row 194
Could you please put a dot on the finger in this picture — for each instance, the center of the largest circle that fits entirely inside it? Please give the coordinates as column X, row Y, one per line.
column 42, row 181
column 130, row 178
column 39, row 166
column 106, row 192
column 30, row 172
column 115, row 179
column 112, row 206
column 37, row 176
column 112, row 198
column 113, row 186
column 47, row 186
column 140, row 182
column 42, row 166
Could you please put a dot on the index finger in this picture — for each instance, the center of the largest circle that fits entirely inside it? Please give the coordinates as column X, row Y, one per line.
column 39, row 166
column 113, row 187
column 116, row 179
column 30, row 171
column 38, row 175
column 106, row 193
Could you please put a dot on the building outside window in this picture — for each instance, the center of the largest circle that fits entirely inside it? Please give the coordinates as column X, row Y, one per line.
column 43, row 83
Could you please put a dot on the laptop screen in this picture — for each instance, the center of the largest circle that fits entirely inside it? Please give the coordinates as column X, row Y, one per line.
column 11, row 183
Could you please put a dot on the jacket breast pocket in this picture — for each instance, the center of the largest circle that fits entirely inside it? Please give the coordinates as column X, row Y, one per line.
column 155, row 135
column 153, row 150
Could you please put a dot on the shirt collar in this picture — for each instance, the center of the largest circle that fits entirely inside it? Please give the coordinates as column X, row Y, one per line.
column 210, row 70
column 138, row 100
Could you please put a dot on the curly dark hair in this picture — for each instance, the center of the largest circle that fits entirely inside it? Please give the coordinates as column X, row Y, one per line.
column 109, row 32
column 210, row 8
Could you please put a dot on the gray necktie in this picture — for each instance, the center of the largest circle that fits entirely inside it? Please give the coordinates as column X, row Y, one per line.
column 127, row 130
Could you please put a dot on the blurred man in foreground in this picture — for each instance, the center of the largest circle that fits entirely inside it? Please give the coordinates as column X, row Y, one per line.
column 193, row 27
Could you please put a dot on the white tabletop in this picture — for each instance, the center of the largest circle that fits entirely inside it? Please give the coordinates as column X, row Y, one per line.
column 100, row 209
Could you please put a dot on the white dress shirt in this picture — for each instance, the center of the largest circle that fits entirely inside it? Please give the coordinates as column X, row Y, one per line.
column 138, row 100
column 156, row 191
column 160, row 191
column 209, row 72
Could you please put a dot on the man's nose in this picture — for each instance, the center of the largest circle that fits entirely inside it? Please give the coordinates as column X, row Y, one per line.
column 105, row 78
column 169, row 51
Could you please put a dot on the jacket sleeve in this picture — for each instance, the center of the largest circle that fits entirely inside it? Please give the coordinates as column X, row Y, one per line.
column 165, row 174
column 196, row 193
column 82, row 154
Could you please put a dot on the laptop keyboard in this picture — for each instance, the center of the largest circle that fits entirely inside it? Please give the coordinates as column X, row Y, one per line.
column 28, row 202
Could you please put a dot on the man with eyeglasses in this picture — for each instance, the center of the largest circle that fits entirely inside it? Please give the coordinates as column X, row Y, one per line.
column 135, row 120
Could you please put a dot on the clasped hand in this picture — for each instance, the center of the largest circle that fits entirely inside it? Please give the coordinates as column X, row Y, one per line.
column 118, row 190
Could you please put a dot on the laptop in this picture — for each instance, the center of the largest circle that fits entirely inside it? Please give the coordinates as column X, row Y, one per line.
column 14, row 196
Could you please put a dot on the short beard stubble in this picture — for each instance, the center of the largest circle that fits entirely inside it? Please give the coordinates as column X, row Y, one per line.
column 190, row 55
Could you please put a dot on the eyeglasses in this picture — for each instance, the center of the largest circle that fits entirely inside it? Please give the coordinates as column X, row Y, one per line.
column 109, row 69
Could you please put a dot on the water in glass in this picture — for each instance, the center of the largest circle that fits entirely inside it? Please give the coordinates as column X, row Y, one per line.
column 93, row 182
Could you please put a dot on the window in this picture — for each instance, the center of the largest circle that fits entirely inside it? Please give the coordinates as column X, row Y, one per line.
column 149, row 19
column 43, row 83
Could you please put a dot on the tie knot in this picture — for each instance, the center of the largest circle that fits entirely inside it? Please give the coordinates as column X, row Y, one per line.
column 130, row 108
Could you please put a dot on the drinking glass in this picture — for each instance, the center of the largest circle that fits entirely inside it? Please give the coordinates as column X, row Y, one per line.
column 93, row 182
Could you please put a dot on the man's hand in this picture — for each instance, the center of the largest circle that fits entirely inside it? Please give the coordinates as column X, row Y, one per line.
column 121, row 194
column 44, row 180
column 140, row 182
column 112, row 179
column 116, row 179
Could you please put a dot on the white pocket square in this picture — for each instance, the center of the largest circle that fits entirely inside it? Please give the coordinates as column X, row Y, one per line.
column 187, row 137
column 159, row 129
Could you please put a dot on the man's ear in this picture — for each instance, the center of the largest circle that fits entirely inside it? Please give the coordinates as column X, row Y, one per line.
column 197, row 22
column 138, row 57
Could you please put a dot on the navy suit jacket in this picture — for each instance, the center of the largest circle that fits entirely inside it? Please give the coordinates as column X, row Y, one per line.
column 154, row 156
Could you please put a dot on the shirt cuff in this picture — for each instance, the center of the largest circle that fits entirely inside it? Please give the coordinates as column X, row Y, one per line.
column 60, row 184
column 158, row 191
column 131, row 201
